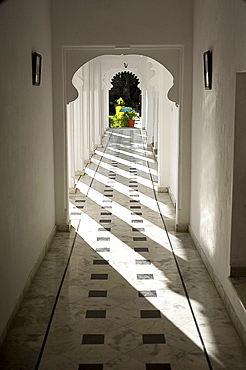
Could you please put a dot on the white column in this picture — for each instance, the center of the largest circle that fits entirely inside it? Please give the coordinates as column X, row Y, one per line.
column 97, row 107
column 156, row 121
column 70, row 134
column 80, row 154
column 91, row 109
column 163, row 137
column 151, row 107
column 106, row 109
column 85, row 115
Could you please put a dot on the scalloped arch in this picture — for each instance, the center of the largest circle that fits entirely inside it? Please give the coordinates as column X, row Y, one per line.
column 120, row 73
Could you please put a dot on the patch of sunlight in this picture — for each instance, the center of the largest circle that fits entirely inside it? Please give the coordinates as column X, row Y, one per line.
column 143, row 199
column 145, row 151
column 123, row 173
column 122, row 264
column 135, row 156
column 126, row 163
column 114, row 133
column 152, row 231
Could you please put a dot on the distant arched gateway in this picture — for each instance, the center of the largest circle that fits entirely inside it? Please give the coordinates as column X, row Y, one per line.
column 125, row 85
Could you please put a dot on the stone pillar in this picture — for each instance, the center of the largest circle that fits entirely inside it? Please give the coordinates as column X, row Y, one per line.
column 163, row 136
column 70, row 137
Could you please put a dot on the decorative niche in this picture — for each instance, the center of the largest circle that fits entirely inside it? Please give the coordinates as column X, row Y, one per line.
column 36, row 69
column 207, row 65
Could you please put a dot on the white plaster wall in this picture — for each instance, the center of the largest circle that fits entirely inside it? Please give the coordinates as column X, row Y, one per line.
column 99, row 23
column 219, row 26
column 27, row 216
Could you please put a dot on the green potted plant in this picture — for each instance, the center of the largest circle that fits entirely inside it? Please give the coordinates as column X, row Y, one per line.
column 130, row 117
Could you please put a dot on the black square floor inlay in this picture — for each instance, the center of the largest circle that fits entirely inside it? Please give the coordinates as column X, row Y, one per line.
column 103, row 239
column 138, row 229
column 104, row 221
column 80, row 207
column 95, row 314
column 135, row 207
column 141, row 249
column 136, row 213
column 150, row 314
column 99, row 276
column 145, row 276
column 100, row 262
column 106, row 213
column 106, row 207
column 133, row 182
column 108, row 195
column 98, row 293
column 153, row 338
column 93, row 339
column 80, row 200
column 137, row 221
column 108, row 190
column 133, row 186
column 139, row 239
column 143, row 262
column 134, row 201
column 134, row 195
column 147, row 293
column 90, row 367
column 105, row 249
column 158, row 367
column 104, row 229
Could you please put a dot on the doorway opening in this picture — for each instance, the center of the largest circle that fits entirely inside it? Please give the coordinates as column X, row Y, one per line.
column 87, row 116
column 125, row 86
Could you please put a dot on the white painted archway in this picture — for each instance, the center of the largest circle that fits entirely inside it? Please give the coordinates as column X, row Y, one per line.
column 87, row 116
column 170, row 56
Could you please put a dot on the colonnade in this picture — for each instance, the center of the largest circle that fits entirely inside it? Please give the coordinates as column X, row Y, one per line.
column 87, row 116
column 87, row 119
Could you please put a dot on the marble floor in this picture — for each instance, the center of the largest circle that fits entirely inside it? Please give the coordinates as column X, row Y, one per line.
column 123, row 290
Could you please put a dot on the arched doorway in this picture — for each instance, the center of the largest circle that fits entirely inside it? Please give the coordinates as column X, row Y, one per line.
column 172, row 57
column 125, row 85
column 87, row 116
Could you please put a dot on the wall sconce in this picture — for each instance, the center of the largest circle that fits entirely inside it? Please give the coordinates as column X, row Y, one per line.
column 36, row 69
column 207, row 65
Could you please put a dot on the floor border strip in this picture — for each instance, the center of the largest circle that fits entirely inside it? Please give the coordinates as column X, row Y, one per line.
column 55, row 303
column 178, row 268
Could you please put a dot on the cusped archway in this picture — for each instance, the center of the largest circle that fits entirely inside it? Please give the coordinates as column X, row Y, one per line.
column 125, row 85
column 87, row 115
column 155, row 57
